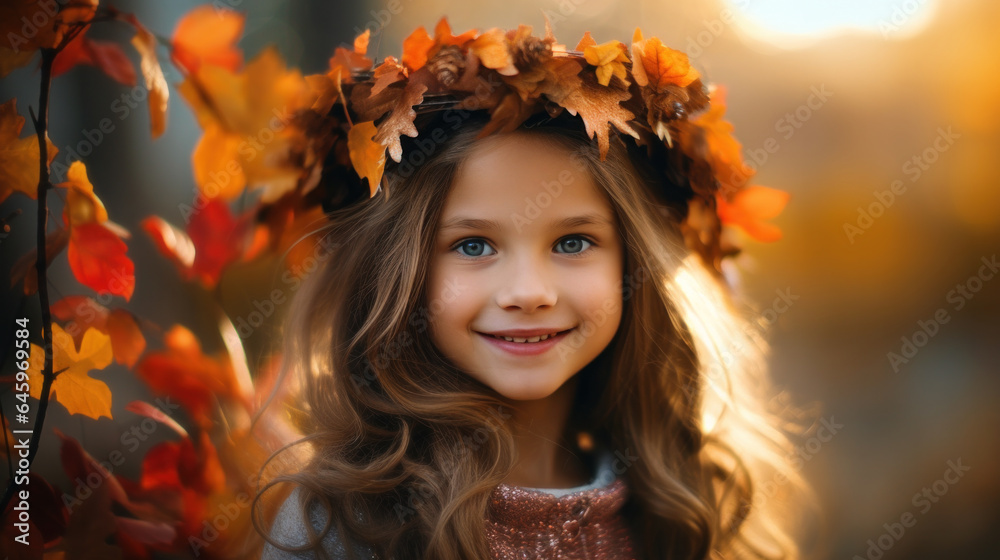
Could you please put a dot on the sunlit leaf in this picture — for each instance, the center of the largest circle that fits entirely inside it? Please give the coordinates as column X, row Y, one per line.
column 74, row 388
column 98, row 260
column 367, row 156
column 208, row 35
column 18, row 156
column 156, row 85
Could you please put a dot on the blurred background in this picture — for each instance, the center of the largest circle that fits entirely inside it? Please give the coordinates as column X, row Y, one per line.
column 880, row 117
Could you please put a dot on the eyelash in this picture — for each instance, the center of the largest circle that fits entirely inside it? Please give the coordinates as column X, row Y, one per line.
column 462, row 242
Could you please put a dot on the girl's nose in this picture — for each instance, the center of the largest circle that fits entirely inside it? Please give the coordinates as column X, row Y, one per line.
column 526, row 286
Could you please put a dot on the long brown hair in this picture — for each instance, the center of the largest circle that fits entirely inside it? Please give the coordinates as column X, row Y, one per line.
column 404, row 448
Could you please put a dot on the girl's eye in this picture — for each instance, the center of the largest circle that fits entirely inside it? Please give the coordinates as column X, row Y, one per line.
column 574, row 243
column 475, row 247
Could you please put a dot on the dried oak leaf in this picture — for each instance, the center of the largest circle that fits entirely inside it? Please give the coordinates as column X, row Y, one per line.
column 508, row 114
column 598, row 106
column 389, row 72
column 73, row 388
column 400, row 120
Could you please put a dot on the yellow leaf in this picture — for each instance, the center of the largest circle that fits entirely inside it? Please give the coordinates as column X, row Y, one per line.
column 73, row 388
column 608, row 58
column 18, row 156
column 82, row 205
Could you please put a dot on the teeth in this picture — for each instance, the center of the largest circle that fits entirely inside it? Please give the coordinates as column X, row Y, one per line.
column 531, row 339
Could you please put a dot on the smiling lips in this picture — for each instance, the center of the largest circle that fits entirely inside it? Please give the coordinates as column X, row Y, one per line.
column 526, row 345
column 526, row 335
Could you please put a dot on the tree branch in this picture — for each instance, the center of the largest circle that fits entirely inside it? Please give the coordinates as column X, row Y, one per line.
column 41, row 262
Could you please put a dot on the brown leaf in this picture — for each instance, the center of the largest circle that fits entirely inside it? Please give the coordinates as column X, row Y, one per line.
column 145, row 42
column 389, row 72
column 400, row 120
column 598, row 106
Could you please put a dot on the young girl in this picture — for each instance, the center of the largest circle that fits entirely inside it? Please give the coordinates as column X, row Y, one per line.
column 521, row 346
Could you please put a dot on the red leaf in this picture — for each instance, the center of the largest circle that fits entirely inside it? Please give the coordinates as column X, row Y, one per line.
column 105, row 55
column 183, row 372
column 97, row 258
column 217, row 241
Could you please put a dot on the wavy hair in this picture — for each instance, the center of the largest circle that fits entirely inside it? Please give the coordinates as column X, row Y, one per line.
column 682, row 387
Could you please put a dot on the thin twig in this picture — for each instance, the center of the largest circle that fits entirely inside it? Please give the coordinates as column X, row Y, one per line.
column 41, row 262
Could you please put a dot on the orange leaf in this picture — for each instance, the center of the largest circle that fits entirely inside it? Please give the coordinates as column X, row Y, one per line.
column 585, row 41
column 367, row 156
column 658, row 65
column 443, row 36
column 400, row 120
column 724, row 151
column 415, row 49
column 208, row 35
column 73, row 388
column 152, row 73
column 750, row 207
column 247, row 139
column 82, row 205
column 18, row 156
column 216, row 166
column 97, row 258
column 387, row 73
column 127, row 341
column 491, row 48
column 352, row 60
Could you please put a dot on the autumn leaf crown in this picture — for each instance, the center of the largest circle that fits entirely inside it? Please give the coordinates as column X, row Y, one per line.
column 649, row 92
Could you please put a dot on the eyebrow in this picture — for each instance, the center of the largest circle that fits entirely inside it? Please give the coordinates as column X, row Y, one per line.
column 493, row 225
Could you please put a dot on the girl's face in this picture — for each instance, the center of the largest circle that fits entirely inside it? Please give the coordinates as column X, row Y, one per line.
column 527, row 242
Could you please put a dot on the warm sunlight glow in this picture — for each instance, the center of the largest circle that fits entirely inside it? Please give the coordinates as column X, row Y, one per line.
column 797, row 23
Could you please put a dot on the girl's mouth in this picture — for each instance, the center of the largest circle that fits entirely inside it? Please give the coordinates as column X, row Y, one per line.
column 526, row 346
